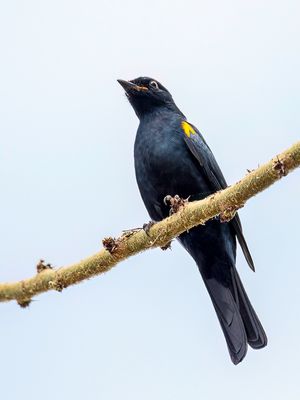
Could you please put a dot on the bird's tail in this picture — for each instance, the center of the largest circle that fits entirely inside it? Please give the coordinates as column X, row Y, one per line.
column 256, row 335
column 237, row 317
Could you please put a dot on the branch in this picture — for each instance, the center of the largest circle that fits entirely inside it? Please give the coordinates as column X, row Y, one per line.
column 223, row 203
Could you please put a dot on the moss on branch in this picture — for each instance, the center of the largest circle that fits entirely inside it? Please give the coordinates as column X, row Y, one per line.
column 223, row 203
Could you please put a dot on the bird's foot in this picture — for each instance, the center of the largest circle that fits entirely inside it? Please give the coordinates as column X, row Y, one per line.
column 175, row 203
column 147, row 227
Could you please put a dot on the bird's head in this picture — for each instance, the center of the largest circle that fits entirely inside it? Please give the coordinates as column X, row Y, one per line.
column 146, row 94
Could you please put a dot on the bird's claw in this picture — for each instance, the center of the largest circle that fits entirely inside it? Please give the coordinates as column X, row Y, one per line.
column 167, row 200
column 175, row 203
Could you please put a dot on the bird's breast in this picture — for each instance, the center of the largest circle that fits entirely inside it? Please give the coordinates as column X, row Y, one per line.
column 164, row 164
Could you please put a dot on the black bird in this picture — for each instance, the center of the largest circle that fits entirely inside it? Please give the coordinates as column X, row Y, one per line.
column 172, row 158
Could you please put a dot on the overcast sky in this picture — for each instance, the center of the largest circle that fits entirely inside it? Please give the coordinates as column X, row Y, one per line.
column 147, row 329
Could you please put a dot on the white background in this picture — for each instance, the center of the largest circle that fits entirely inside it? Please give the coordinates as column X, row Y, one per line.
column 147, row 329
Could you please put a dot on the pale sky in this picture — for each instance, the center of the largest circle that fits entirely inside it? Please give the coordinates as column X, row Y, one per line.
column 147, row 329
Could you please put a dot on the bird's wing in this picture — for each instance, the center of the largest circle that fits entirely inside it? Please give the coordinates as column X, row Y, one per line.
column 201, row 151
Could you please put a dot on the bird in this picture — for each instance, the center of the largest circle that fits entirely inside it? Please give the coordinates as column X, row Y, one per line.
column 171, row 157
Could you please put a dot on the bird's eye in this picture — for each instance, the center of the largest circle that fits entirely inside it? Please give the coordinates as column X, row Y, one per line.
column 153, row 84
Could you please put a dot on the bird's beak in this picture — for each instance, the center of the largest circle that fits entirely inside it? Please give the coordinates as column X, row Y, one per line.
column 130, row 87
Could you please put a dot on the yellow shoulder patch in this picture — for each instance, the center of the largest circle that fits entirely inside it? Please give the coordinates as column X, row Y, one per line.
column 187, row 129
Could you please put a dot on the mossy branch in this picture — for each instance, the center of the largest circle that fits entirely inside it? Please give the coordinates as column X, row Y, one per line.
column 223, row 203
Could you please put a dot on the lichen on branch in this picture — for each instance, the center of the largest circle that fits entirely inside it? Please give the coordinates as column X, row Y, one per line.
column 224, row 203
